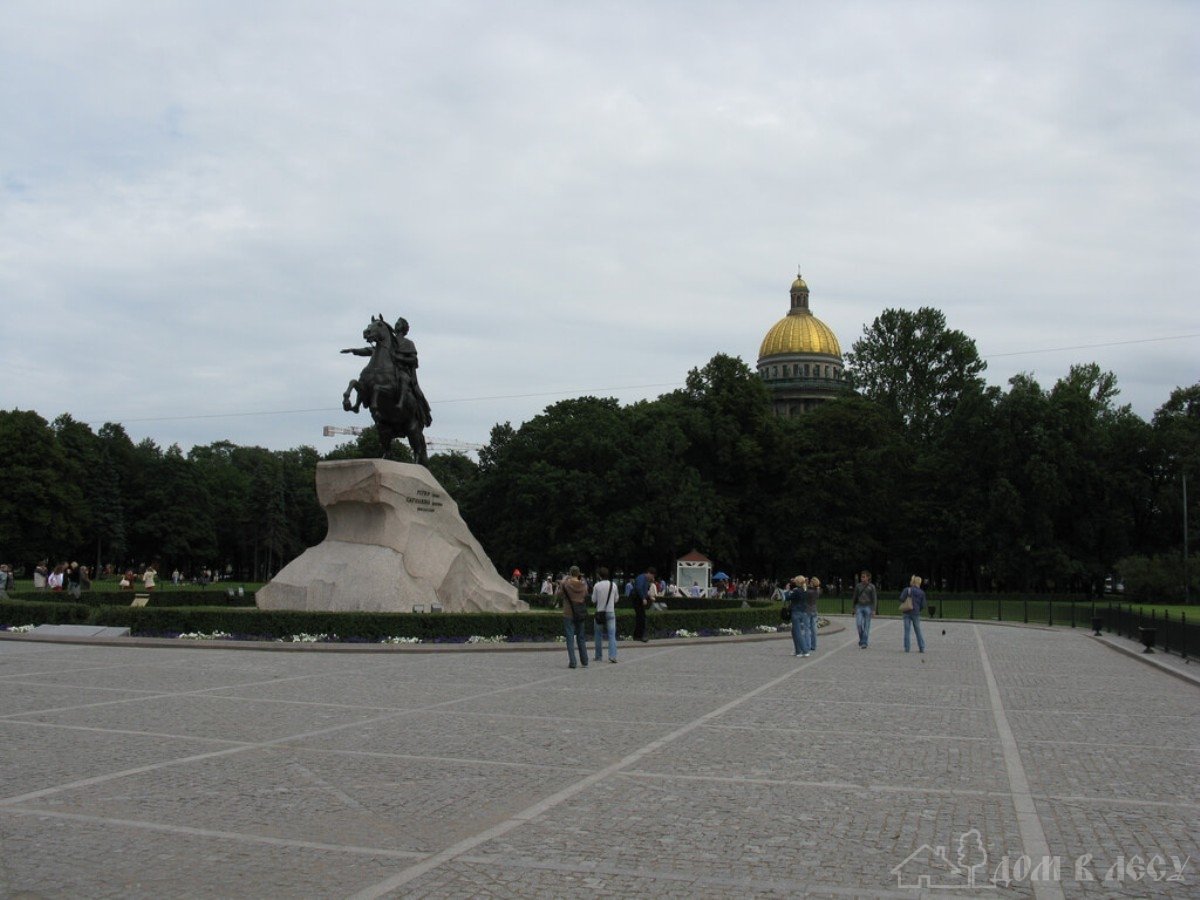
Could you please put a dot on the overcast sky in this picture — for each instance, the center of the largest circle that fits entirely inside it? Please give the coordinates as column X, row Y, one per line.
column 202, row 202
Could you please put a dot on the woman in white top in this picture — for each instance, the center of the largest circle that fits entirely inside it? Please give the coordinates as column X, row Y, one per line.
column 605, row 596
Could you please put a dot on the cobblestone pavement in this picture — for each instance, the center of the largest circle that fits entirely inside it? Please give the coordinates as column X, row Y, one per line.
column 1042, row 758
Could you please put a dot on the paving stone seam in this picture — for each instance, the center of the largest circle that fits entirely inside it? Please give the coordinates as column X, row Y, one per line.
column 643, row 875
column 866, row 789
column 265, row 682
column 1124, row 715
column 164, row 695
column 33, row 723
column 779, row 729
column 1107, row 744
column 453, row 760
column 807, row 699
column 83, row 687
column 274, row 742
column 527, row 815
column 235, row 836
column 1033, row 834
column 1119, row 801
column 872, row 789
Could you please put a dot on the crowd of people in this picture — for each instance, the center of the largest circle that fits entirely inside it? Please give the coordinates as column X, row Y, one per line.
column 800, row 597
column 74, row 578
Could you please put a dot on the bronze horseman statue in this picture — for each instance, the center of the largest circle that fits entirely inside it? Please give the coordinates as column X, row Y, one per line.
column 388, row 386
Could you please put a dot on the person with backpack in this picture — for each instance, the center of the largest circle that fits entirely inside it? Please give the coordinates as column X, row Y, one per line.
column 912, row 601
column 573, row 592
column 605, row 596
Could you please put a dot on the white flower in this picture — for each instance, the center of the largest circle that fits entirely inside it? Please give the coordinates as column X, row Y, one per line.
column 306, row 638
column 494, row 639
column 201, row 636
column 20, row 629
column 766, row 629
column 729, row 632
column 684, row 633
column 400, row 640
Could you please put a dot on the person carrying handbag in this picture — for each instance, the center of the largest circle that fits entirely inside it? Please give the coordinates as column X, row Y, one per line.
column 912, row 601
column 573, row 591
column 605, row 596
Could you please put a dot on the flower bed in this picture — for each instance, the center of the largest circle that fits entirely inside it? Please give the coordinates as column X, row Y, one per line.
column 233, row 623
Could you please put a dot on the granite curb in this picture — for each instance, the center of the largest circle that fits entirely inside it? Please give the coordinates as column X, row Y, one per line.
column 348, row 647
column 1150, row 659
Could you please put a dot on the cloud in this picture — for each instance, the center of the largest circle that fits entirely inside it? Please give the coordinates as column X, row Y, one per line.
column 203, row 202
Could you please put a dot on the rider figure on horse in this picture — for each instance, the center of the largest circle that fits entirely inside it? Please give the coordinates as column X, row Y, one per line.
column 404, row 363
column 404, row 355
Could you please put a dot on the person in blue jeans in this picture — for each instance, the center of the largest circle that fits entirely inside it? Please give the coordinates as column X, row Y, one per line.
column 797, row 597
column 912, row 617
column 604, row 596
column 811, row 596
column 573, row 591
column 865, row 598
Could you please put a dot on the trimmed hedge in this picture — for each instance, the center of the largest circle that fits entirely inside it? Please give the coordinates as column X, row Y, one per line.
column 542, row 601
column 157, row 598
column 271, row 624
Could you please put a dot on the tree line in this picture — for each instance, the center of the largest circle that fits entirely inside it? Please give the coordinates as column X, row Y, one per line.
column 923, row 468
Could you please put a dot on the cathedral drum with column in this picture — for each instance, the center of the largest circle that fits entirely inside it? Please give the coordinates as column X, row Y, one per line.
column 800, row 360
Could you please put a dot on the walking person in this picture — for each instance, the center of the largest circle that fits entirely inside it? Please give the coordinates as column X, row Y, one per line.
column 796, row 597
column 74, row 581
column 811, row 596
column 865, row 599
column 605, row 596
column 573, row 590
column 912, row 601
column 640, row 598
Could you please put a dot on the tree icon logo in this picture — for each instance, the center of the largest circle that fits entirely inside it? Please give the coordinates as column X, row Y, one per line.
column 971, row 855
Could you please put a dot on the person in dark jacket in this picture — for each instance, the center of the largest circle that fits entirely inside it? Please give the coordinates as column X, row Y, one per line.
column 640, row 599
column 865, row 598
column 811, row 596
column 796, row 597
column 912, row 617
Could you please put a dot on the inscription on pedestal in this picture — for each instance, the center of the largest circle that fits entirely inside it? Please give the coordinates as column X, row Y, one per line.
column 426, row 501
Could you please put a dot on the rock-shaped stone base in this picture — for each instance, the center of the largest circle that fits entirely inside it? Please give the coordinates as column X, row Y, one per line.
column 396, row 541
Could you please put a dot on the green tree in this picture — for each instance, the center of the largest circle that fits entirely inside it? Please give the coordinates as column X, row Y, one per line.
column 911, row 363
column 41, row 506
column 1176, row 428
column 454, row 471
column 176, row 524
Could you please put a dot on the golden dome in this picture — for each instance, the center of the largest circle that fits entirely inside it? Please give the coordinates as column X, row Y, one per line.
column 800, row 334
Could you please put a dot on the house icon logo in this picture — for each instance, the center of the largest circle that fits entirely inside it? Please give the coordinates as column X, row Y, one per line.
column 961, row 866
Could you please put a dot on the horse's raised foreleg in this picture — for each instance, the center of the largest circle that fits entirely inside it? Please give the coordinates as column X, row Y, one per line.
column 346, row 405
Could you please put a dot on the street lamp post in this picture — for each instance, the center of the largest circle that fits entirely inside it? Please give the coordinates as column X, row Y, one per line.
column 1187, row 598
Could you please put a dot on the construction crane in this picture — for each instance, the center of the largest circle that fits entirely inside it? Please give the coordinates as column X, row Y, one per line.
column 432, row 443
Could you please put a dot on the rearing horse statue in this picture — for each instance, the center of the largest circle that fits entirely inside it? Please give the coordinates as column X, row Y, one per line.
column 389, row 391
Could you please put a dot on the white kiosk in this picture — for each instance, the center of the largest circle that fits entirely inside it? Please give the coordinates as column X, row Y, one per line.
column 694, row 569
